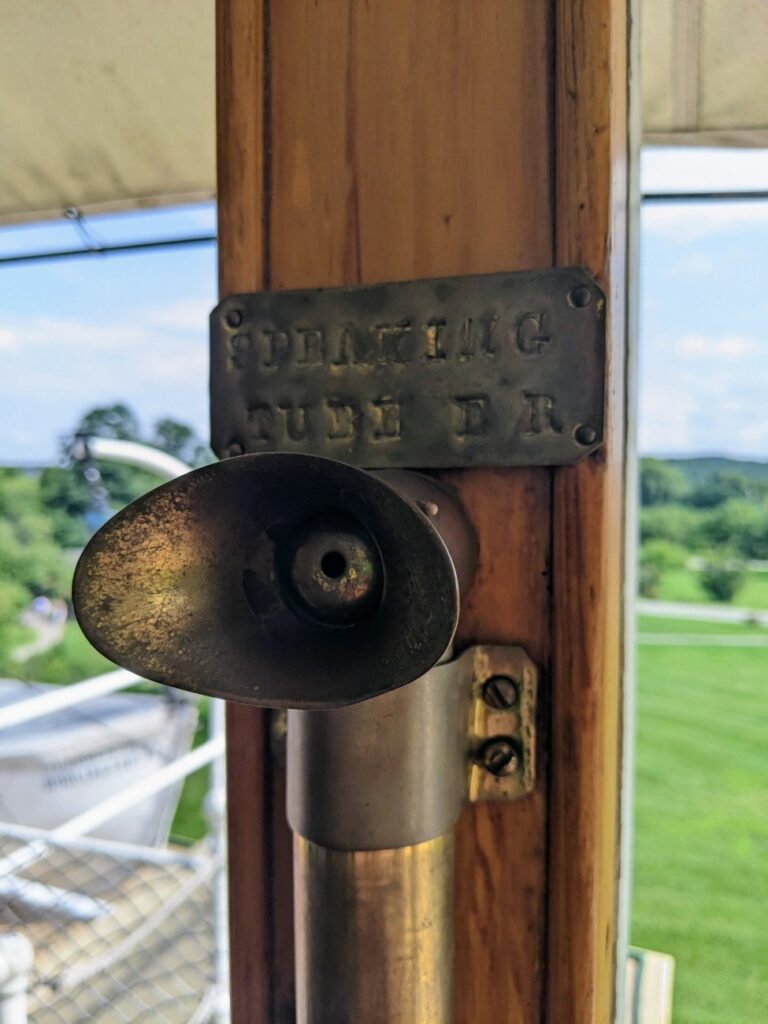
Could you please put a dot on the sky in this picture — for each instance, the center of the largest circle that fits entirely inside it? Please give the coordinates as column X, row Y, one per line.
column 95, row 330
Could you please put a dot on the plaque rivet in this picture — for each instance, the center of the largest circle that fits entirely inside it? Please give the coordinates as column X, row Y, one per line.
column 586, row 435
column 234, row 449
column 429, row 508
column 234, row 318
column 580, row 296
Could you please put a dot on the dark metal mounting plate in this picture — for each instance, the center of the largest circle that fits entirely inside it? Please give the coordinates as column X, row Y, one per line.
column 488, row 370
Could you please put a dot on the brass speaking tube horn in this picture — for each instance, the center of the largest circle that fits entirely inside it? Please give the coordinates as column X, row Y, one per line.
column 283, row 580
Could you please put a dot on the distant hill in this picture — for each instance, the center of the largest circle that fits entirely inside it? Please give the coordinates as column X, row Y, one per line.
column 697, row 469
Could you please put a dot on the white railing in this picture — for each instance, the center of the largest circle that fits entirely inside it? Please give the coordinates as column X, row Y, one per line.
column 131, row 453
column 60, row 697
column 74, row 833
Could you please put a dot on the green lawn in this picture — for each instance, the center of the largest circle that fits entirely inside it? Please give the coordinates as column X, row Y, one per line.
column 684, row 585
column 701, row 821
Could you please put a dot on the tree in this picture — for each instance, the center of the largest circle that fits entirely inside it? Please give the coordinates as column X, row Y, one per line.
column 739, row 525
column 66, row 499
column 180, row 440
column 722, row 578
column 13, row 598
column 720, row 486
column 117, row 420
column 28, row 551
column 69, row 497
column 660, row 483
column 675, row 523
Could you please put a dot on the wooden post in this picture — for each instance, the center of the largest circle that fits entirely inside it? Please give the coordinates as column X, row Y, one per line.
column 395, row 139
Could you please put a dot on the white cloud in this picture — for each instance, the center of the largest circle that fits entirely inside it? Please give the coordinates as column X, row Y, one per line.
column 730, row 346
column 190, row 315
column 755, row 436
column 78, row 336
column 9, row 340
column 665, row 420
column 58, row 367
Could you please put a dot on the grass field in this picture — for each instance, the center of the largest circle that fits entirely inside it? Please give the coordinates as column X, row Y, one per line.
column 701, row 821
column 684, row 585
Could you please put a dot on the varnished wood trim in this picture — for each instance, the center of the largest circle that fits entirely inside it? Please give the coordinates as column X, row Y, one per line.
column 412, row 140
column 239, row 144
column 248, row 818
column 261, row 915
column 588, row 529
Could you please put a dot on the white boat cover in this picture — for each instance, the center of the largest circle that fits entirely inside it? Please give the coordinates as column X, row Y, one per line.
column 54, row 768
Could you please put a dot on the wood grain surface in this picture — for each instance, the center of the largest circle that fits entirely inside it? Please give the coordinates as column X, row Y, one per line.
column 591, row 79
column 386, row 140
column 412, row 140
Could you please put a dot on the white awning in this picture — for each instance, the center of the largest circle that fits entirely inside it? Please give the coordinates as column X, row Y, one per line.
column 105, row 104
column 110, row 103
column 705, row 72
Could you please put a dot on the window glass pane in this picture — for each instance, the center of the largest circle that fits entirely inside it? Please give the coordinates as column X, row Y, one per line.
column 117, row 346
column 701, row 832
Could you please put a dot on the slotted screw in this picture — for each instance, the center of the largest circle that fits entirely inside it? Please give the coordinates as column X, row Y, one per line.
column 499, row 756
column 500, row 693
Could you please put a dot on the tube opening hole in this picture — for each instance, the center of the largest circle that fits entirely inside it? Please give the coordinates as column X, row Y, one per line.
column 333, row 564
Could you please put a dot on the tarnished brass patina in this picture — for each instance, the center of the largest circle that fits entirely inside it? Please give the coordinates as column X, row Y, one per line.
column 502, row 722
column 284, row 580
column 374, row 934
column 489, row 369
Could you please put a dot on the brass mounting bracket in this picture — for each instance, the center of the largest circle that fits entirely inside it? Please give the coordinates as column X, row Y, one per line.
column 474, row 719
column 502, row 723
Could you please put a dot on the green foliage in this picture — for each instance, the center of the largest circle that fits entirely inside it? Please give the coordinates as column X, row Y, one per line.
column 661, row 484
column 66, row 499
column 722, row 577
column 677, row 524
column 180, row 440
column 727, row 507
column 723, row 486
column 685, row 585
column 657, row 557
column 66, row 493
column 698, row 468
column 13, row 598
column 117, row 420
column 29, row 555
column 125, row 483
column 31, row 561
column 190, row 823
column 69, row 661
column 42, row 515
column 740, row 525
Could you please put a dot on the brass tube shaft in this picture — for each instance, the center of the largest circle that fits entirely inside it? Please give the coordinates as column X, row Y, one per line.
column 374, row 933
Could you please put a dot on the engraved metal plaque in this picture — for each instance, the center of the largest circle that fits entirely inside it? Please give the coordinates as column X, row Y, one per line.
column 488, row 370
